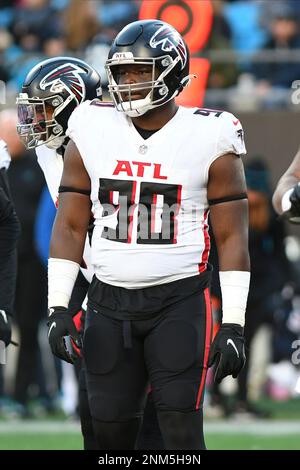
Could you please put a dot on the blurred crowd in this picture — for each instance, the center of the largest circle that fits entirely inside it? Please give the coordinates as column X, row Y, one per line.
column 31, row 30
column 253, row 45
column 273, row 315
column 254, row 52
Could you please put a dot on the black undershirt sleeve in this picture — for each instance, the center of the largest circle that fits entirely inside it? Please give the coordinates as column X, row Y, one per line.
column 70, row 189
column 220, row 200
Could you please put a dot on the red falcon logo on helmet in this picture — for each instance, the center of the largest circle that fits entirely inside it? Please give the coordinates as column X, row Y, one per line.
column 66, row 76
column 169, row 39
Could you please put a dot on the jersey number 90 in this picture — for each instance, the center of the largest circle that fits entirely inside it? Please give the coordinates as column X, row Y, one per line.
column 153, row 218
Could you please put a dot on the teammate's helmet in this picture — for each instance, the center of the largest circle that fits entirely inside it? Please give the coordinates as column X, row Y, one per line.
column 155, row 43
column 50, row 92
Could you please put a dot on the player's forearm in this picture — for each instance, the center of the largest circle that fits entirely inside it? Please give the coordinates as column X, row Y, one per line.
column 285, row 185
column 67, row 244
column 233, row 253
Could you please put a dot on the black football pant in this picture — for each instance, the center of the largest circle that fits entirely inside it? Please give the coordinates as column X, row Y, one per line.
column 171, row 350
column 150, row 435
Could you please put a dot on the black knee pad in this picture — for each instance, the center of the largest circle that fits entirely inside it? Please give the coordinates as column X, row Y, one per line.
column 108, row 411
column 100, row 358
column 177, row 396
column 112, row 407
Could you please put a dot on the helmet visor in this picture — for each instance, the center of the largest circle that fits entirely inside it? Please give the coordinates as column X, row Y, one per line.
column 35, row 121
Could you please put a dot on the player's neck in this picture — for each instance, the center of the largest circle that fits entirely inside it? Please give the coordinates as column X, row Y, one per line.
column 156, row 118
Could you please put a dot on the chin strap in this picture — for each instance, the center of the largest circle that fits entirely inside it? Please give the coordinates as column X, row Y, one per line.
column 186, row 81
column 183, row 84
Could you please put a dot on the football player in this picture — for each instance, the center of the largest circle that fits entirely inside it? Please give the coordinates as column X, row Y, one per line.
column 9, row 233
column 286, row 197
column 50, row 93
column 152, row 171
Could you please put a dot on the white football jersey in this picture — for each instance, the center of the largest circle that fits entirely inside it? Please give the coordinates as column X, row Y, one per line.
column 52, row 165
column 150, row 196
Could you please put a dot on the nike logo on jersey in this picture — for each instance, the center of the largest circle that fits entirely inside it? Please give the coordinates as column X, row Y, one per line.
column 53, row 325
column 236, row 122
column 229, row 341
column 3, row 315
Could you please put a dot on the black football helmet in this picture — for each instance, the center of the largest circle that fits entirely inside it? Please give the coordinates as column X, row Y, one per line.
column 150, row 42
column 50, row 93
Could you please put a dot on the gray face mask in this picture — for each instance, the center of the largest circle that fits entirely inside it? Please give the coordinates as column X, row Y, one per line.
column 35, row 127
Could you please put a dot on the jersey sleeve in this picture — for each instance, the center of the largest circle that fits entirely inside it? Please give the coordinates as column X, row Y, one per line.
column 231, row 136
column 77, row 125
column 76, row 120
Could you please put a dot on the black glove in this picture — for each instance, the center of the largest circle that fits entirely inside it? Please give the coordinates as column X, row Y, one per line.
column 227, row 351
column 294, row 213
column 61, row 331
column 5, row 327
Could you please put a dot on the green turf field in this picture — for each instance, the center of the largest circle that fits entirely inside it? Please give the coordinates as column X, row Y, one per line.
column 282, row 432
column 249, row 442
column 49, row 435
column 40, row 441
column 71, row 441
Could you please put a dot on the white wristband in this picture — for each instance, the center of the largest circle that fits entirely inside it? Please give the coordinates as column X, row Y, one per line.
column 62, row 274
column 235, row 288
column 285, row 201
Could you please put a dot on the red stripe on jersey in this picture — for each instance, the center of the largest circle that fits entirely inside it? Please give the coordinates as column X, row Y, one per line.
column 131, row 212
column 207, row 342
column 174, row 217
column 204, row 259
column 153, row 212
